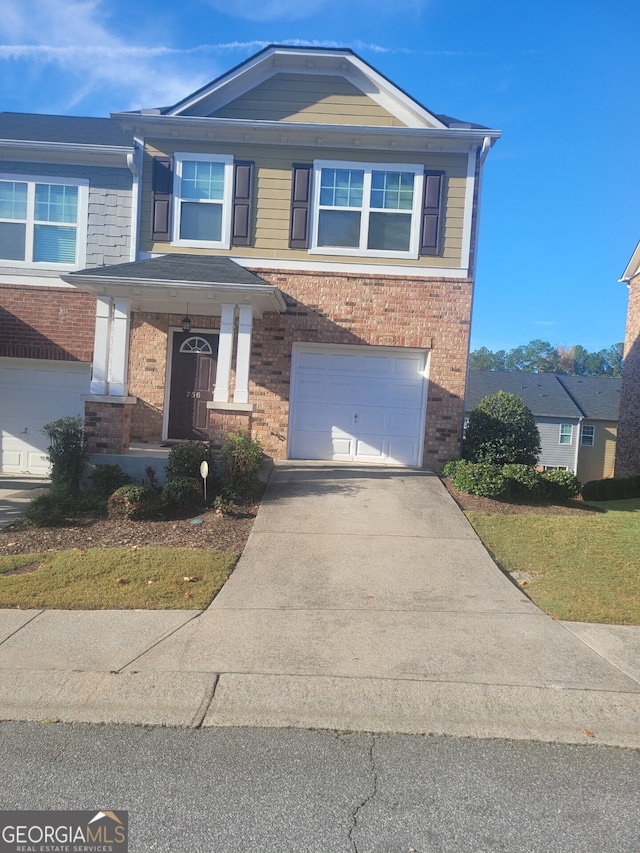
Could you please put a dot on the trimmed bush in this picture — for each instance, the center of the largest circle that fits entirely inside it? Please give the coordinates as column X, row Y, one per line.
column 182, row 492
column 67, row 452
column 561, row 485
column 612, row 489
column 501, row 430
column 449, row 468
column 185, row 460
column 50, row 509
column 523, row 481
column 133, row 502
column 480, row 478
column 105, row 479
column 242, row 458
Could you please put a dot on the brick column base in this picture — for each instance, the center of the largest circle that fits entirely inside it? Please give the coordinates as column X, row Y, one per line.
column 222, row 423
column 107, row 427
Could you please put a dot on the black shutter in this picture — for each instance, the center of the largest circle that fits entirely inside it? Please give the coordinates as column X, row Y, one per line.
column 162, row 198
column 300, row 206
column 432, row 213
column 242, row 203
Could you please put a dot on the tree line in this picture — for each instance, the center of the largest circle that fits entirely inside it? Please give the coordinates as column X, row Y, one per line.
column 541, row 357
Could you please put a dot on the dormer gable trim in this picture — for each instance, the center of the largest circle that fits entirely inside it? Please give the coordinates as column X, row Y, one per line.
column 276, row 59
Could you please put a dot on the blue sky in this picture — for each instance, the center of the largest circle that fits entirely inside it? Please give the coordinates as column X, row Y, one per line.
column 560, row 78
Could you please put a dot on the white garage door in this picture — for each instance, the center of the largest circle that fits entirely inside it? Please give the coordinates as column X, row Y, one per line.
column 34, row 393
column 357, row 404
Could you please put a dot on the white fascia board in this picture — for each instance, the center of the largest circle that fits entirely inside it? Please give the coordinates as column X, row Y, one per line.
column 351, row 269
column 394, row 100
column 151, row 290
column 64, row 152
column 32, row 278
column 633, row 267
column 309, row 134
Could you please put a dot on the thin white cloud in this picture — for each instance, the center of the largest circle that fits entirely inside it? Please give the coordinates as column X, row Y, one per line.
column 74, row 37
column 295, row 10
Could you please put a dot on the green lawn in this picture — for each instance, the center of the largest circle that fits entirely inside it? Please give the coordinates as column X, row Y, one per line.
column 114, row 578
column 584, row 568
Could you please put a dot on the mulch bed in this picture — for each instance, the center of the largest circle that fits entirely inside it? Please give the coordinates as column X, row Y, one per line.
column 475, row 503
column 220, row 532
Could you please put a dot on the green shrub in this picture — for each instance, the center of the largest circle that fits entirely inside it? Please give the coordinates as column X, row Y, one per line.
column 185, row 460
column 561, row 485
column 480, row 478
column 182, row 492
column 242, row 458
column 501, row 430
column 133, row 502
column 594, row 490
column 105, row 479
column 67, row 452
column 449, row 468
column 612, row 489
column 50, row 509
column 523, row 481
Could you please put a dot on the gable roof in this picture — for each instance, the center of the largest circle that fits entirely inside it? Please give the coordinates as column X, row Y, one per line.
column 633, row 267
column 550, row 395
column 201, row 106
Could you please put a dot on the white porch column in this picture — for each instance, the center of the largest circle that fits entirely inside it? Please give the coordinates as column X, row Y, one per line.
column 225, row 351
column 245, row 327
column 119, row 360
column 101, row 345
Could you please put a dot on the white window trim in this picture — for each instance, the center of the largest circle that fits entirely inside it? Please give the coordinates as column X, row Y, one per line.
column 227, row 201
column 362, row 251
column 592, row 435
column 81, row 221
column 566, row 443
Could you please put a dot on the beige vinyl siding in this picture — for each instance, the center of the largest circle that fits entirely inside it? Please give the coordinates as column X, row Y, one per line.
column 597, row 462
column 272, row 208
column 322, row 99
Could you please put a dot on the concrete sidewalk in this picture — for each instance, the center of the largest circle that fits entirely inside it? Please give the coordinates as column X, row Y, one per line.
column 363, row 601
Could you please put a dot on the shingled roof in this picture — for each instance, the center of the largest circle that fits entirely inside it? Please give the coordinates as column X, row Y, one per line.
column 551, row 395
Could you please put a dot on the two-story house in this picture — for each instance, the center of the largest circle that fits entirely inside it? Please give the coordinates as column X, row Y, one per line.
column 302, row 261
column 576, row 416
column 66, row 195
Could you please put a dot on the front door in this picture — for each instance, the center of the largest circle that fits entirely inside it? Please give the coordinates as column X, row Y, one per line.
column 193, row 372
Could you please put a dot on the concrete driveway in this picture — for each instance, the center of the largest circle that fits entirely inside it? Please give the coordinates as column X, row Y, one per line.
column 363, row 601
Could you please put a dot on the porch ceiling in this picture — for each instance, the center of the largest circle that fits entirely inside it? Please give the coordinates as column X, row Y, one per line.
column 166, row 283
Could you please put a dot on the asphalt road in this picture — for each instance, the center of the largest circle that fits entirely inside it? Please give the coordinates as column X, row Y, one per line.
column 224, row 790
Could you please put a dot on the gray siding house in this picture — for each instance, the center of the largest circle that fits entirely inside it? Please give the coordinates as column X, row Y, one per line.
column 68, row 198
column 576, row 416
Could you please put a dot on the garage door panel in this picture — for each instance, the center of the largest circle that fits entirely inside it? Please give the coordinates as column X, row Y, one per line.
column 34, row 393
column 357, row 405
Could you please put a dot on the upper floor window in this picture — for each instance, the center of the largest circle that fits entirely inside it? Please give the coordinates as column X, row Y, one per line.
column 42, row 221
column 566, row 433
column 588, row 435
column 202, row 196
column 367, row 209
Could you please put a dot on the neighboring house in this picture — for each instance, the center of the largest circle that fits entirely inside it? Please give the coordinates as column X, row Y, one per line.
column 304, row 236
column 65, row 203
column 628, row 450
column 576, row 416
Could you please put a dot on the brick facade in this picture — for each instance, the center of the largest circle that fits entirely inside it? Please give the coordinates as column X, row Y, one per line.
column 431, row 314
column 107, row 427
column 46, row 322
column 628, row 440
